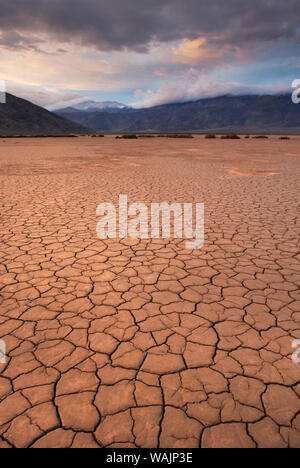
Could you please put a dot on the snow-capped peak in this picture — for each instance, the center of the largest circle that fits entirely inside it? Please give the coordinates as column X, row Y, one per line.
column 96, row 105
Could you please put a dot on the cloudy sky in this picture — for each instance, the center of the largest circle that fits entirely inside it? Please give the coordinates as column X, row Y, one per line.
column 147, row 52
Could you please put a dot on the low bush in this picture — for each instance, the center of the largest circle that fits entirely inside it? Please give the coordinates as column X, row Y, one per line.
column 210, row 136
column 186, row 135
column 232, row 136
column 175, row 135
column 39, row 136
column 127, row 137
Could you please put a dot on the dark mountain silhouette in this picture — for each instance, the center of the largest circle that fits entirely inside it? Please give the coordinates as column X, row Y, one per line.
column 20, row 117
column 242, row 114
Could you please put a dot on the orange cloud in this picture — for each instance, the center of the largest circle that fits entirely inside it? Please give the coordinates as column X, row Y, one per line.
column 195, row 51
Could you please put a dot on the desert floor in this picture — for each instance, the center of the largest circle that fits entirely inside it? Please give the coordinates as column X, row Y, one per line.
column 142, row 343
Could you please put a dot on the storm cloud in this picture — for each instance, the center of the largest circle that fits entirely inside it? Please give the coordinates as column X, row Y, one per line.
column 147, row 52
column 135, row 24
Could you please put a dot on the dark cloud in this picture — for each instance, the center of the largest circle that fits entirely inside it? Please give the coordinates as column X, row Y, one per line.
column 15, row 41
column 116, row 24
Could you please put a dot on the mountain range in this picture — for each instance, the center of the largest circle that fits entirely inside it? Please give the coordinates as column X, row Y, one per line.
column 21, row 117
column 240, row 114
column 225, row 114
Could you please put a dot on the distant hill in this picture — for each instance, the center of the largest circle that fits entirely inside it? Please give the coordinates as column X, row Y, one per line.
column 242, row 114
column 20, row 117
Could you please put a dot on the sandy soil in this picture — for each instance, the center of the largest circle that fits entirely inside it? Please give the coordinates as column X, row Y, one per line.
column 143, row 343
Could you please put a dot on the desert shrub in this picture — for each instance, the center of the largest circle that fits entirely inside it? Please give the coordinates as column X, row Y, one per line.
column 38, row 136
column 284, row 138
column 175, row 135
column 98, row 136
column 247, row 136
column 232, row 136
column 51, row 136
column 127, row 137
column 180, row 135
column 260, row 137
column 210, row 136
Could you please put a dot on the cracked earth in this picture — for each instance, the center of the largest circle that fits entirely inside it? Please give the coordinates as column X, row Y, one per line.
column 142, row 343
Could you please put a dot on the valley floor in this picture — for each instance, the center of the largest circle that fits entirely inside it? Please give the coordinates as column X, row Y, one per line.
column 142, row 343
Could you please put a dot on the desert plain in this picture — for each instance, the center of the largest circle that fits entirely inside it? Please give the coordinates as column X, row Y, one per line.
column 142, row 343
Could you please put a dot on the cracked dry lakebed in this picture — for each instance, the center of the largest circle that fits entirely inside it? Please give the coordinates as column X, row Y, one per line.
column 141, row 342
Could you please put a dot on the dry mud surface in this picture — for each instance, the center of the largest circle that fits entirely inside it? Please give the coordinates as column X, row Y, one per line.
column 142, row 343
